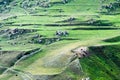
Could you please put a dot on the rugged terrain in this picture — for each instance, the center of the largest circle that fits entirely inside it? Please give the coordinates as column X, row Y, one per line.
column 60, row 40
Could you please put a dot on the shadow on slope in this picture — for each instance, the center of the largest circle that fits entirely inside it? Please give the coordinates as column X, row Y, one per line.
column 114, row 39
column 104, row 63
column 102, row 28
column 74, row 22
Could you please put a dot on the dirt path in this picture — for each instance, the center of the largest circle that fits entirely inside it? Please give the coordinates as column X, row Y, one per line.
column 25, row 56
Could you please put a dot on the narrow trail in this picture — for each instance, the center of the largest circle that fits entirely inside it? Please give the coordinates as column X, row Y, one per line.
column 26, row 56
column 23, row 75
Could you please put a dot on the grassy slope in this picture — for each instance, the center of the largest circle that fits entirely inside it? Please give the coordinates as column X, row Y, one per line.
column 103, row 63
column 75, row 9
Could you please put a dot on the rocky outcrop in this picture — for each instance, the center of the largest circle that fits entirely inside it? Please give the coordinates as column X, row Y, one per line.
column 81, row 52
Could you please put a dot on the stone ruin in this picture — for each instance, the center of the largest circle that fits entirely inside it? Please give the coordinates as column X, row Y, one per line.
column 39, row 39
column 15, row 33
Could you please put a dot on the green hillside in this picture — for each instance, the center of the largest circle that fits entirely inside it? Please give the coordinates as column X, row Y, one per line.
column 59, row 39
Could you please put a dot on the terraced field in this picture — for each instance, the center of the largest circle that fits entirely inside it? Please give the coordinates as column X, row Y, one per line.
column 63, row 41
